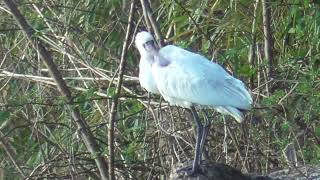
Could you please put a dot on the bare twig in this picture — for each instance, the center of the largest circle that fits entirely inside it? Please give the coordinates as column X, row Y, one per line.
column 116, row 97
column 8, row 148
column 33, row 77
column 252, row 54
column 288, row 94
column 268, row 41
column 84, row 130
column 147, row 13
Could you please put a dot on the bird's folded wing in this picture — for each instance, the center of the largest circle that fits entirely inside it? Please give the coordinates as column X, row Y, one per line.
column 191, row 77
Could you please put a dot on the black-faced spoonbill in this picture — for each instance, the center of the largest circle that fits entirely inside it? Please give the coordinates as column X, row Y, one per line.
column 190, row 80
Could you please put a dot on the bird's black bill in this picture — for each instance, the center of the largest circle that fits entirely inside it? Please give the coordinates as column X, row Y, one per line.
column 150, row 46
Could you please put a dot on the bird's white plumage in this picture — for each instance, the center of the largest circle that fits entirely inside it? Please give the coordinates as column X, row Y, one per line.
column 145, row 75
column 190, row 79
column 141, row 38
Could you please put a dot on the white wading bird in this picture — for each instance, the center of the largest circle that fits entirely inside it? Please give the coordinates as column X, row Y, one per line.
column 188, row 79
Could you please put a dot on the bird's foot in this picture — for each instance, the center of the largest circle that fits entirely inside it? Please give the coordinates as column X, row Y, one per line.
column 189, row 171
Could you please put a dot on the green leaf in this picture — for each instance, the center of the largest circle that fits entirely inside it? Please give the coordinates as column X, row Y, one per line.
column 317, row 131
column 4, row 115
column 180, row 19
column 285, row 126
column 292, row 30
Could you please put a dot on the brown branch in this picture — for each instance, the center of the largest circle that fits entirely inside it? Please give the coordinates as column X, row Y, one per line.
column 117, row 94
column 268, row 41
column 147, row 13
column 84, row 131
column 252, row 50
column 8, row 148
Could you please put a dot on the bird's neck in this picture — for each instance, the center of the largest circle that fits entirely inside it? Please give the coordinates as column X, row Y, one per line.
column 164, row 62
column 148, row 57
column 160, row 60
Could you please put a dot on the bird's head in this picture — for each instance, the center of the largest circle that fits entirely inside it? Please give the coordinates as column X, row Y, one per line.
column 145, row 43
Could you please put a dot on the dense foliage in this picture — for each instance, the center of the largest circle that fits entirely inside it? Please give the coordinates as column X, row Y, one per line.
column 86, row 37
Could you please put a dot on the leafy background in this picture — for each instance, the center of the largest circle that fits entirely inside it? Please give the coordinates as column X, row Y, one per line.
column 86, row 38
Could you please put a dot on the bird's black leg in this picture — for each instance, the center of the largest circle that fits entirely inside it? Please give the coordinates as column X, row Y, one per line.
column 206, row 128
column 198, row 153
column 196, row 162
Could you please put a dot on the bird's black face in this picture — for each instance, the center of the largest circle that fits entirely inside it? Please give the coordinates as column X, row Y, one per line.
column 150, row 46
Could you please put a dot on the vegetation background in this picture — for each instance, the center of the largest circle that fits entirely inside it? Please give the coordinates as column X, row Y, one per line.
column 40, row 139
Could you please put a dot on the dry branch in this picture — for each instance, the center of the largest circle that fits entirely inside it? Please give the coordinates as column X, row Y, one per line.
column 8, row 148
column 83, row 127
column 33, row 77
column 268, row 41
column 148, row 16
column 118, row 90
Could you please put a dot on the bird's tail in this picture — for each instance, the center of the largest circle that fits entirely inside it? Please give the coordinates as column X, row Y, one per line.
column 234, row 112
